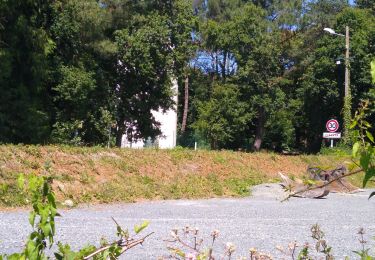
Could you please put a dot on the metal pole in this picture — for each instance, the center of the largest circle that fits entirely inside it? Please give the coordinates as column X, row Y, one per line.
column 109, row 136
column 347, row 63
column 347, row 98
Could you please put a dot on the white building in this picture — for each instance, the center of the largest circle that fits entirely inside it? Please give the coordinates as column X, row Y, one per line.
column 168, row 127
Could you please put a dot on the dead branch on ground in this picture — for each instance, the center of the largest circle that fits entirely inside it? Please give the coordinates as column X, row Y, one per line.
column 322, row 185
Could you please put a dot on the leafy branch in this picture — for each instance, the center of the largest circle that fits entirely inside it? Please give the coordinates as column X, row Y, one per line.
column 42, row 220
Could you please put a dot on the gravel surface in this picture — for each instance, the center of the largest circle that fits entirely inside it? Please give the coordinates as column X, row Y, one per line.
column 260, row 221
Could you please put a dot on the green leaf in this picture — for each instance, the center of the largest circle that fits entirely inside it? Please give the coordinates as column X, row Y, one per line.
column 53, row 227
column 370, row 173
column 21, row 181
column 119, row 230
column 51, row 199
column 367, row 124
column 31, row 248
column 370, row 136
column 310, row 182
column 353, row 124
column 53, row 212
column 46, row 228
column 32, row 218
column 105, row 254
column 138, row 229
column 46, row 188
column 355, row 150
column 33, row 235
column 15, row 257
column 65, row 252
column 365, row 160
column 177, row 251
column 33, row 183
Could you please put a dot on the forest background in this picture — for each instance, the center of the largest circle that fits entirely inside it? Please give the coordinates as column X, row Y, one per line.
column 252, row 74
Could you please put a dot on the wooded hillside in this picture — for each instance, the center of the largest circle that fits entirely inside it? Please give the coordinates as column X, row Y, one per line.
column 252, row 73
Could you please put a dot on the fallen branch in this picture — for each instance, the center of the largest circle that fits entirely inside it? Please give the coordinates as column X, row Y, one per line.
column 322, row 185
column 124, row 247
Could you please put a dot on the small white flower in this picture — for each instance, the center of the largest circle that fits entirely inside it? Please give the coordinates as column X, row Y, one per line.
column 230, row 247
column 191, row 256
column 174, row 233
column 215, row 233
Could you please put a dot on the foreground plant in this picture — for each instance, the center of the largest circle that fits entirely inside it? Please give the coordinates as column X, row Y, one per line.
column 42, row 220
column 363, row 149
column 186, row 244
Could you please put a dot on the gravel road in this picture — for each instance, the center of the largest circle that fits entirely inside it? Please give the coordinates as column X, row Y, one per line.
column 260, row 221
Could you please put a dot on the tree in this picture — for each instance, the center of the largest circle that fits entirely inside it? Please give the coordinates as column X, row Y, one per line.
column 223, row 119
column 24, row 70
column 322, row 82
column 259, row 68
column 152, row 52
column 83, row 62
column 369, row 4
column 144, row 77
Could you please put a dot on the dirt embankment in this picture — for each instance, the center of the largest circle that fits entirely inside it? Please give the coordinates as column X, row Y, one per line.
column 108, row 175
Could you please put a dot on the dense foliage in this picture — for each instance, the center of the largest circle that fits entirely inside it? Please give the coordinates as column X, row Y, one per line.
column 259, row 74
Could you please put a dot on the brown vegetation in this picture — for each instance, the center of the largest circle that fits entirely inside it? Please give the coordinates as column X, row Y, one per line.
column 108, row 175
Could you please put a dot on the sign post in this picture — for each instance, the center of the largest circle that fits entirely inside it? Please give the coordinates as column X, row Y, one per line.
column 332, row 126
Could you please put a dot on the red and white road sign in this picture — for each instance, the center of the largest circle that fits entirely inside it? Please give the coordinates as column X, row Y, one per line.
column 332, row 125
column 330, row 135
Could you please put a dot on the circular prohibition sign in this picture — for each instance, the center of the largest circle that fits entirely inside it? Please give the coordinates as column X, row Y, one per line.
column 332, row 125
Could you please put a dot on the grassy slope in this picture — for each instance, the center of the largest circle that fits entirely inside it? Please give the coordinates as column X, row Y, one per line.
column 109, row 175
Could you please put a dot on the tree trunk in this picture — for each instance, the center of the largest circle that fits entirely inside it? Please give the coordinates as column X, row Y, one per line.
column 260, row 129
column 213, row 144
column 224, row 65
column 216, row 63
column 120, row 132
column 186, row 105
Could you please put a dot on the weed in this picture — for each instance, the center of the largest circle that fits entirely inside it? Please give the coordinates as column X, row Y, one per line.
column 33, row 150
column 240, row 186
column 91, row 163
column 12, row 195
column 47, row 165
column 273, row 157
column 86, row 197
column 217, row 186
column 179, row 154
column 85, row 178
column 219, row 159
column 63, row 177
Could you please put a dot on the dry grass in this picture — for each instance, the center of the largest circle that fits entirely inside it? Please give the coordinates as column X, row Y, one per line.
column 109, row 175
